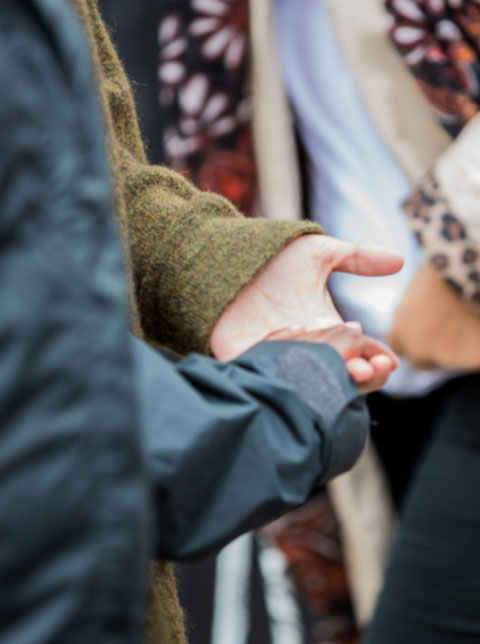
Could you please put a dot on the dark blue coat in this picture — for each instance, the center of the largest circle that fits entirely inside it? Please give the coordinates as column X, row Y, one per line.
column 101, row 438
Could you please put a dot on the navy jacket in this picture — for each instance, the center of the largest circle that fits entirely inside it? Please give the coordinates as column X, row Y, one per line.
column 107, row 450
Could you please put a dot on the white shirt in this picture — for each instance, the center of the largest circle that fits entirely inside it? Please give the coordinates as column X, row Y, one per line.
column 356, row 186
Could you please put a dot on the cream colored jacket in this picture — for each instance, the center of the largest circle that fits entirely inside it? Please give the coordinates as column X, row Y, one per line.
column 420, row 144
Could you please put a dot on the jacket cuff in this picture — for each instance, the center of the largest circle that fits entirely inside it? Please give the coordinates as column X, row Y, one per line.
column 444, row 213
column 446, row 237
column 209, row 260
column 319, row 375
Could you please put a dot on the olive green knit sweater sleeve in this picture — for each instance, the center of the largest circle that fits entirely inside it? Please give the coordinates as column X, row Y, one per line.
column 191, row 251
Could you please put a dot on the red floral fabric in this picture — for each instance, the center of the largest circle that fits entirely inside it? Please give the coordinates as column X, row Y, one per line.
column 440, row 42
column 205, row 99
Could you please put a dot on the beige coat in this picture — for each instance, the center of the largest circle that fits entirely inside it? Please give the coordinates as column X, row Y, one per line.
column 419, row 143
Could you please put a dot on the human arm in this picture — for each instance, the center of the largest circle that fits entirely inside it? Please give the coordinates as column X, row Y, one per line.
column 231, row 446
column 195, row 259
column 438, row 323
column 191, row 251
column 444, row 213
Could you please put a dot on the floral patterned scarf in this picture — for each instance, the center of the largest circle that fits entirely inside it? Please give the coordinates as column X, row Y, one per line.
column 204, row 96
column 440, row 42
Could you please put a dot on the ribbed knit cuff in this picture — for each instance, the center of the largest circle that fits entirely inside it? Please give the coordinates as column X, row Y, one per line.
column 205, row 267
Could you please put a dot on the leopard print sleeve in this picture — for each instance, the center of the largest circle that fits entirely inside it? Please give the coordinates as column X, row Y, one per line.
column 444, row 213
column 445, row 238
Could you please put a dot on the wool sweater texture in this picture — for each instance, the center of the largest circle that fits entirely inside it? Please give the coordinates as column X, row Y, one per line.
column 189, row 254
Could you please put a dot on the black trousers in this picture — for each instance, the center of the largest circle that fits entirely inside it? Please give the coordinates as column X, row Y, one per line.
column 402, row 429
column 431, row 593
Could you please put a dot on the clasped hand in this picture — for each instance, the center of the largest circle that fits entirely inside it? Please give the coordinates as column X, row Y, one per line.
column 289, row 299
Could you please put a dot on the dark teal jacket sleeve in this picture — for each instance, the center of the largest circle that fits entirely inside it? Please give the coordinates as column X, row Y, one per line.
column 232, row 446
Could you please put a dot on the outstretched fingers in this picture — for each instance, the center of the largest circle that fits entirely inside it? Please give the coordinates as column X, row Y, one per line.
column 365, row 259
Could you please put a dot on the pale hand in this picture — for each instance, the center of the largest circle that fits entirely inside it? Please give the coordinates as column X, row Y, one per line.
column 292, row 291
column 434, row 327
column 368, row 361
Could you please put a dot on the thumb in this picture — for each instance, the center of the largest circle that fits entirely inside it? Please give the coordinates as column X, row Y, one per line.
column 287, row 333
column 366, row 259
